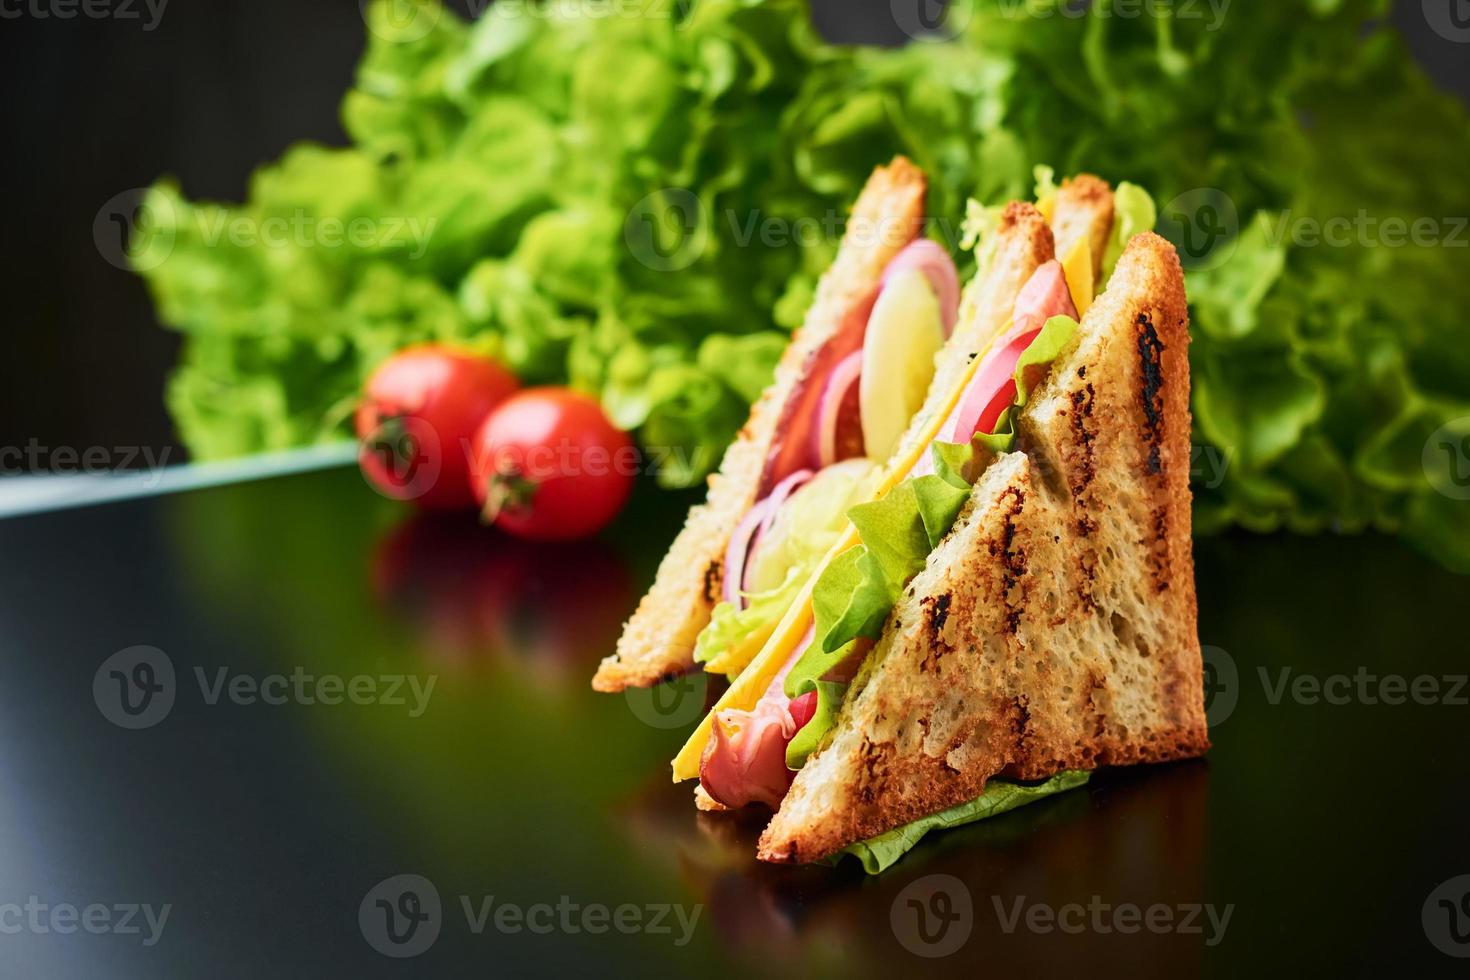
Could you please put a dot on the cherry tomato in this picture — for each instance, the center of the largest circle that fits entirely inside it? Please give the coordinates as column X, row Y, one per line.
column 418, row 415
column 549, row 466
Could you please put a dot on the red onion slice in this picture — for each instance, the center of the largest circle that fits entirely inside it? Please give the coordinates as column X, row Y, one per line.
column 778, row 496
column 756, row 522
column 931, row 258
column 737, row 551
column 842, row 387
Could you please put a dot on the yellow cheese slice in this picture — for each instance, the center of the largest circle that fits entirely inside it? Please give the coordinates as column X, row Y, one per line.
column 1077, row 267
column 1047, row 206
column 757, row 676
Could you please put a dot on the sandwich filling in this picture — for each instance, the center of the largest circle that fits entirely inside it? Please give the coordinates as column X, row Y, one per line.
column 837, row 429
column 752, row 755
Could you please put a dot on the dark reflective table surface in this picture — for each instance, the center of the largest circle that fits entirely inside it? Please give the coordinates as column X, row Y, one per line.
column 360, row 694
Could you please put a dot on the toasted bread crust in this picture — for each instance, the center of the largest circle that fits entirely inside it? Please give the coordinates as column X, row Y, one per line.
column 658, row 640
column 1055, row 626
column 1084, row 210
column 706, row 803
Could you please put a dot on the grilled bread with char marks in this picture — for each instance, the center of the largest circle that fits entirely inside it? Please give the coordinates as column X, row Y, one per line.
column 1054, row 627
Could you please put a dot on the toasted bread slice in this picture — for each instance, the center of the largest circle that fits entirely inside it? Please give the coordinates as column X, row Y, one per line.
column 1055, row 626
column 658, row 641
column 1083, row 211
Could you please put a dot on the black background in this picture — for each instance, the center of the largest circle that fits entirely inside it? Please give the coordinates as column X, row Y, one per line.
column 96, row 107
column 1326, row 826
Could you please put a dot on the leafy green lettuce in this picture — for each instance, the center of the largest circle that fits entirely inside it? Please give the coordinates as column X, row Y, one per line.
column 654, row 241
column 734, row 636
column 809, row 736
column 880, row 853
column 1134, row 212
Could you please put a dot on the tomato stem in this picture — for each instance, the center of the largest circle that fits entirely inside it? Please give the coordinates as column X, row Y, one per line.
column 392, row 439
column 506, row 491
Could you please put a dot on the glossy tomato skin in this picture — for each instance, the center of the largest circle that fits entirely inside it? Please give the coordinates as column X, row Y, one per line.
column 417, row 418
column 549, row 466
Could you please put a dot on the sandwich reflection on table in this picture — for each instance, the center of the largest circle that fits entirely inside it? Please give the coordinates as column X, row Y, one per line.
column 1132, row 838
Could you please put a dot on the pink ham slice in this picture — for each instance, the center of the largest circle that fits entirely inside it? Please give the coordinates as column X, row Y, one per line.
column 745, row 760
column 1044, row 296
column 795, row 441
